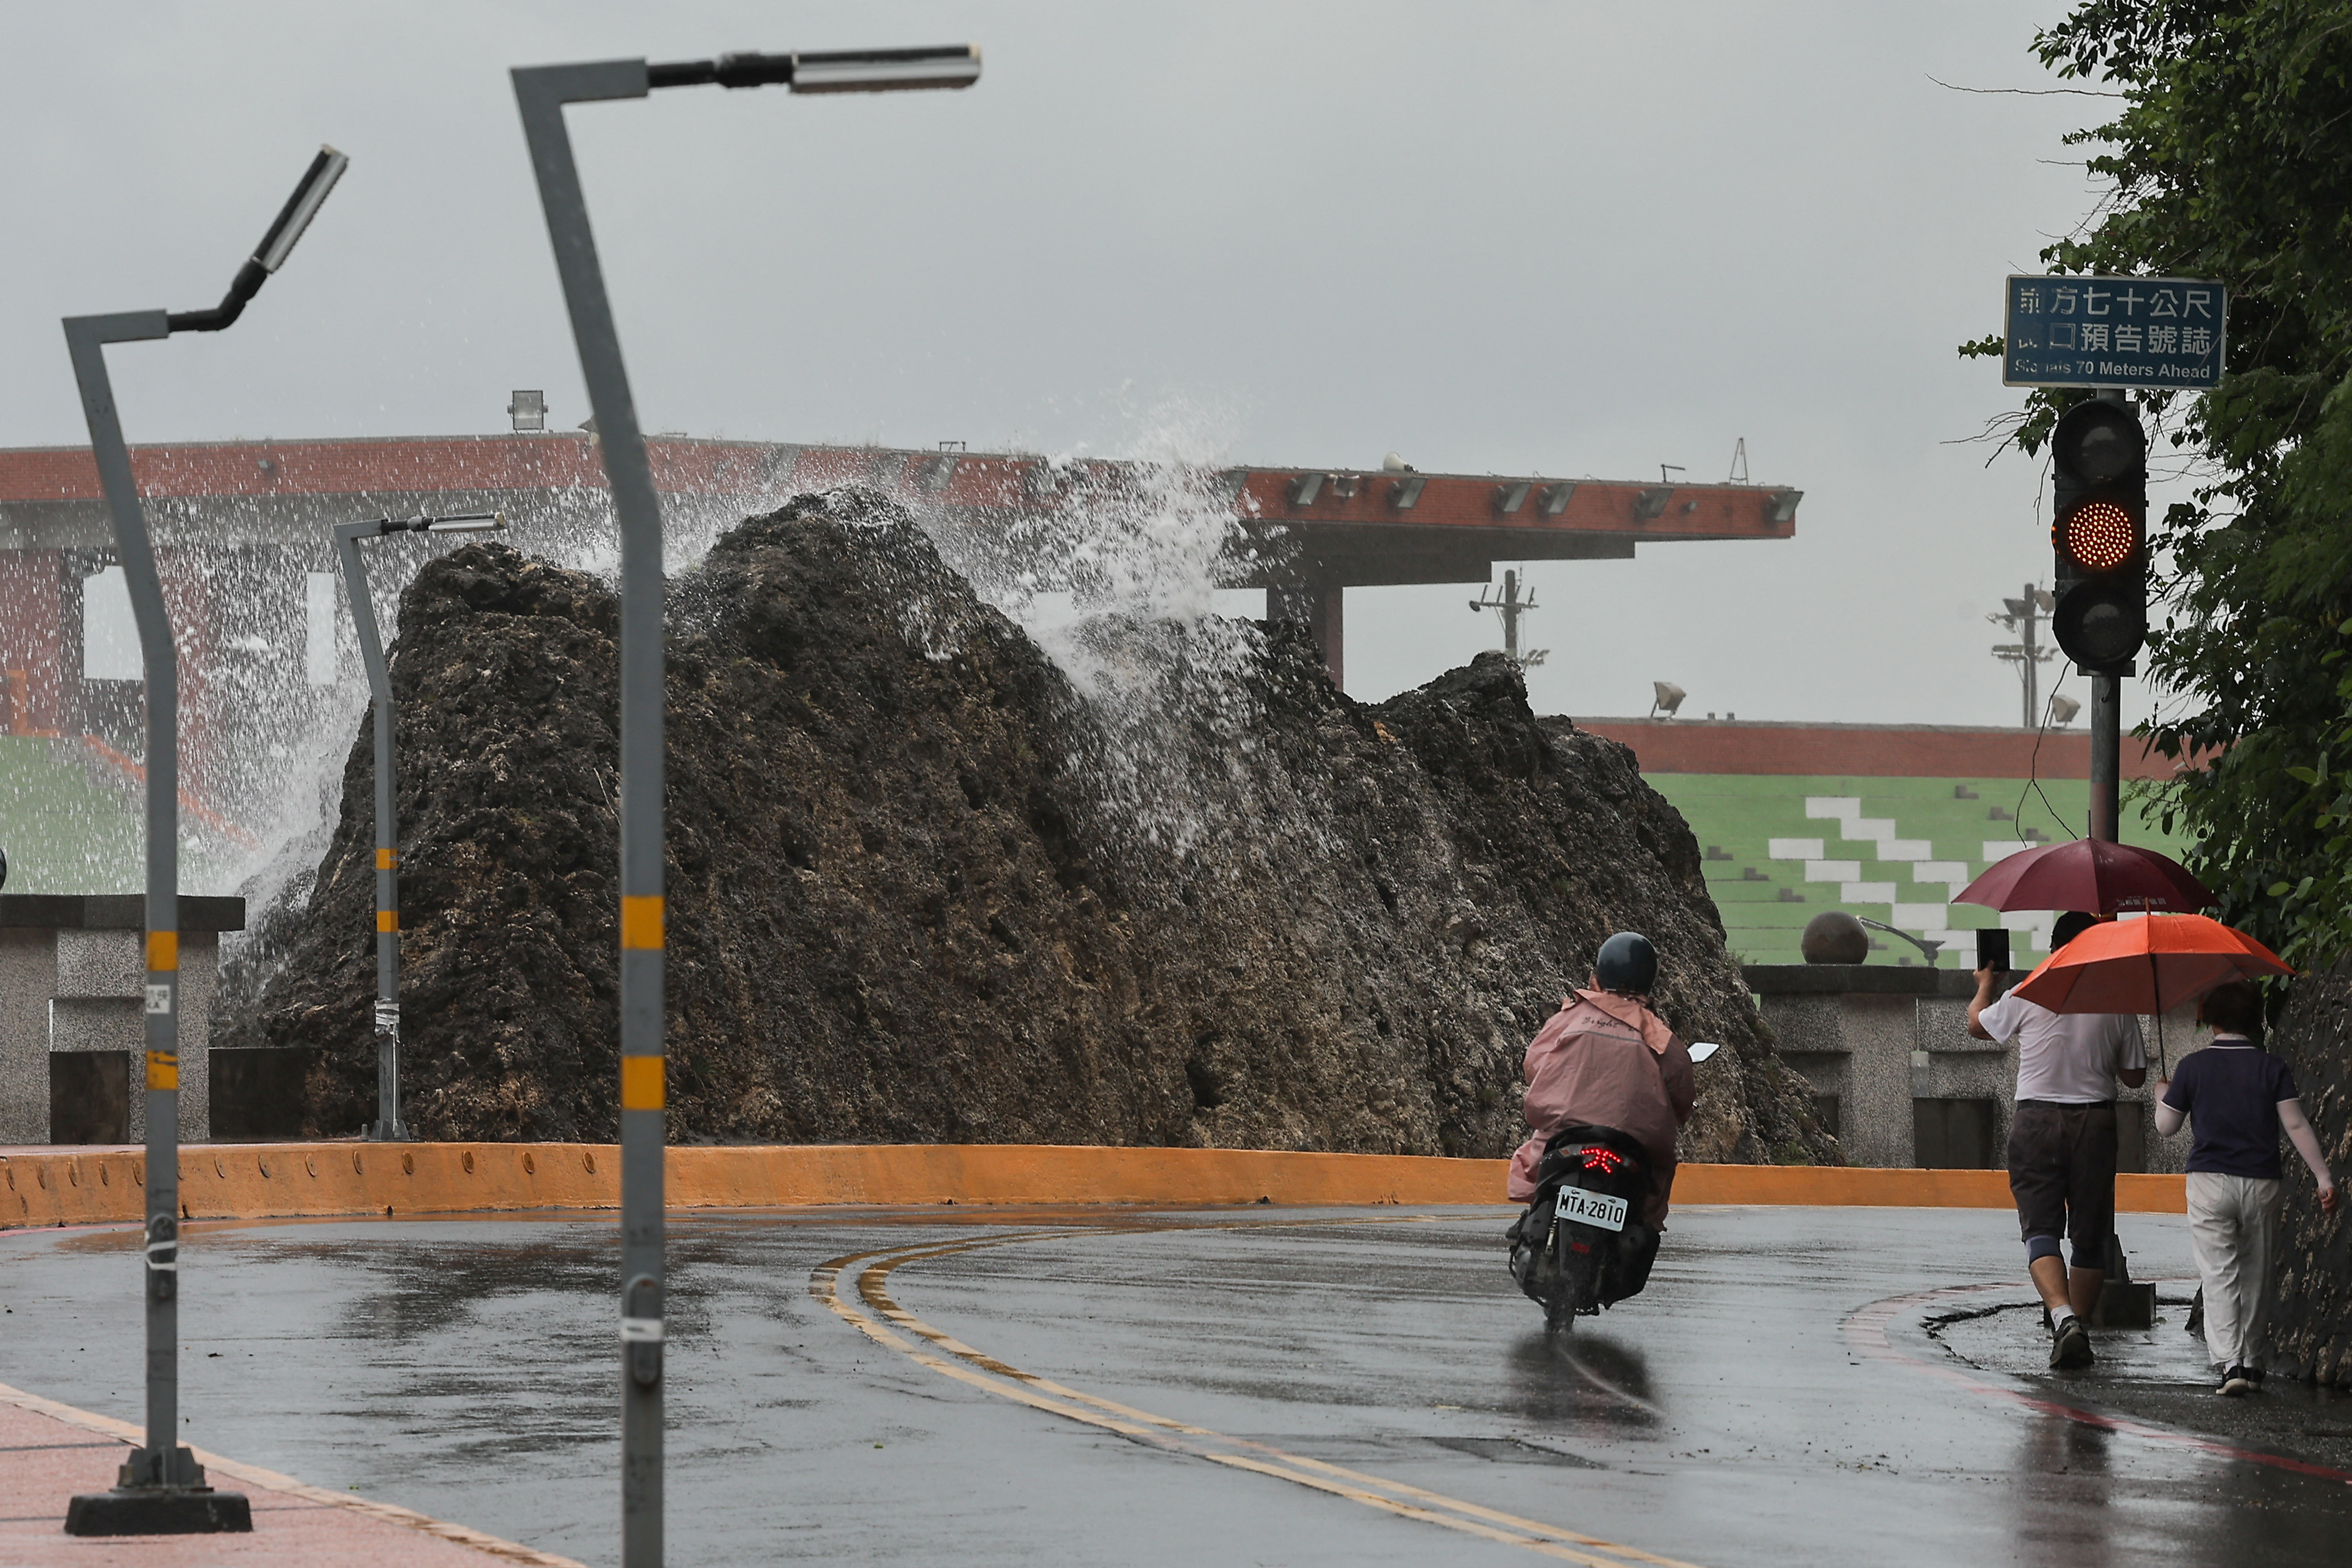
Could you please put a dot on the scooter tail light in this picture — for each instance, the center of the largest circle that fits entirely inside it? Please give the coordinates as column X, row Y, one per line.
column 1606, row 1160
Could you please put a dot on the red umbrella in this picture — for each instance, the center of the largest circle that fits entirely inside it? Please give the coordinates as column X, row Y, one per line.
column 2146, row 965
column 2089, row 874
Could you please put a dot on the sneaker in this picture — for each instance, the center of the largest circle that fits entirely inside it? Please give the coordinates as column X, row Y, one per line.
column 2253, row 1374
column 2235, row 1384
column 2070, row 1347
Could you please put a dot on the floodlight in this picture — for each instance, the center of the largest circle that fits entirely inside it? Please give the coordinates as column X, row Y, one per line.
column 1555, row 498
column 1404, row 493
column 528, row 410
column 1669, row 698
column 466, row 522
column 2063, row 709
column 1652, row 502
column 1781, row 509
column 1509, row 498
column 1306, row 488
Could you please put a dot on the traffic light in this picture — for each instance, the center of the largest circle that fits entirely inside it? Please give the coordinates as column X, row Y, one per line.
column 2099, row 529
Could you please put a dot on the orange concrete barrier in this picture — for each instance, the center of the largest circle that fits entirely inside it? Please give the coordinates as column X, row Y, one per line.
column 256, row 1180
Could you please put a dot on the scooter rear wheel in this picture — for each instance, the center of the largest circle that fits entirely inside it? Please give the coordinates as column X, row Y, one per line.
column 1559, row 1317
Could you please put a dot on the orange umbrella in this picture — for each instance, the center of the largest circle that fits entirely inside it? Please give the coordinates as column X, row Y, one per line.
column 2146, row 966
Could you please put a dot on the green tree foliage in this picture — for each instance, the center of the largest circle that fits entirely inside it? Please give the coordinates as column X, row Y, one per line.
column 2231, row 159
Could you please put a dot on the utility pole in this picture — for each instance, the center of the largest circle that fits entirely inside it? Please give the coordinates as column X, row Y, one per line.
column 2024, row 615
column 1511, row 607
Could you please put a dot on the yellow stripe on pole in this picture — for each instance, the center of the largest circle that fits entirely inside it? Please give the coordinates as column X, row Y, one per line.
column 640, row 921
column 162, row 952
column 385, row 859
column 387, row 920
column 163, row 1071
column 641, row 1083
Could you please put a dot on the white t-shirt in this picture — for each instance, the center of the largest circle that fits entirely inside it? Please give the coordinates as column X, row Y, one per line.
column 2071, row 1057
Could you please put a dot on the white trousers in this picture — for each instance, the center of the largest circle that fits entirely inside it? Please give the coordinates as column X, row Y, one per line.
column 2233, row 1224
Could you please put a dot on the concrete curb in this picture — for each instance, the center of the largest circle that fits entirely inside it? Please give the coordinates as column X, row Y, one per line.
column 260, row 1181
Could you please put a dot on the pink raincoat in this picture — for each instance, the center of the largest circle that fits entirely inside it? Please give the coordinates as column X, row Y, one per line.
column 1608, row 1061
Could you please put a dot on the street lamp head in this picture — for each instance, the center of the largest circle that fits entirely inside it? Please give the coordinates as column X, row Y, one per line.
column 300, row 208
column 836, row 70
column 275, row 247
column 466, row 522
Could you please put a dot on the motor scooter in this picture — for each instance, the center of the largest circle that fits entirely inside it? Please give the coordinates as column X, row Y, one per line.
column 1581, row 1245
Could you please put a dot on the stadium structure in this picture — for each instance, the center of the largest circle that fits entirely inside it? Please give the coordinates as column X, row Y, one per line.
column 1886, row 822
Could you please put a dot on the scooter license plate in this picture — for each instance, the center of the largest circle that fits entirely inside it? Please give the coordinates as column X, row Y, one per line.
column 1597, row 1209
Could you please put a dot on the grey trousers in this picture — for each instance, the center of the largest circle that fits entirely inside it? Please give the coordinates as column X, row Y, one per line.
column 2232, row 1227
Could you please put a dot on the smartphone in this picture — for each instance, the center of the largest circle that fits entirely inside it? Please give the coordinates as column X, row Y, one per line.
column 1992, row 948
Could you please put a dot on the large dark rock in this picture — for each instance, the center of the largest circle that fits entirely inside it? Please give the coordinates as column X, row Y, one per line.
column 2311, row 1325
column 919, row 890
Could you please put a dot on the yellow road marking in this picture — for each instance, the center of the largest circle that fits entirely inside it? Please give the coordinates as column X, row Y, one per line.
column 993, row 1376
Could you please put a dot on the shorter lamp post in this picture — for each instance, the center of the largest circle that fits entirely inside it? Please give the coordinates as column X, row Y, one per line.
column 388, row 1126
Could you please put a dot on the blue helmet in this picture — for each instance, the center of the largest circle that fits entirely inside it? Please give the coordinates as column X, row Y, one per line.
column 1627, row 963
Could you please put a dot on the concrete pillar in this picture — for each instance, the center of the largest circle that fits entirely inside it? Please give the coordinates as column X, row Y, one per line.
column 1318, row 602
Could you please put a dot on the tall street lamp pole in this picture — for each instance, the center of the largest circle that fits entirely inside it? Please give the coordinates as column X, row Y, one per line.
column 540, row 93
column 388, row 1127
column 160, row 1488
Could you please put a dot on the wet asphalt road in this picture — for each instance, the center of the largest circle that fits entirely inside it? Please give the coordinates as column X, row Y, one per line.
column 1753, row 1407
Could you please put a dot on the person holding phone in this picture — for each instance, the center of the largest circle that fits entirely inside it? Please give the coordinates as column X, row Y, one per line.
column 2238, row 1098
column 2062, row 1141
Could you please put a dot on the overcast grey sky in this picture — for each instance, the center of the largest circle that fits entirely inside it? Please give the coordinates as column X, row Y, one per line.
column 1565, row 238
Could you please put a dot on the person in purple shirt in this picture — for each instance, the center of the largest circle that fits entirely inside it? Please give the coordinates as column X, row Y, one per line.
column 2237, row 1099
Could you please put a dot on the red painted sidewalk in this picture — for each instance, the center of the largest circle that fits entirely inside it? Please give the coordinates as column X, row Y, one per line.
column 49, row 1451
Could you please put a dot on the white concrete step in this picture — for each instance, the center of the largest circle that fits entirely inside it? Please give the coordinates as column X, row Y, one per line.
column 1795, row 848
column 1833, row 870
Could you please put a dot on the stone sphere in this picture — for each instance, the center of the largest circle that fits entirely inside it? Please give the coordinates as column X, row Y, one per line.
column 1835, row 936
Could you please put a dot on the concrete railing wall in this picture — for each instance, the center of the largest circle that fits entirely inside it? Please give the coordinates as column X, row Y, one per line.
column 1880, row 1038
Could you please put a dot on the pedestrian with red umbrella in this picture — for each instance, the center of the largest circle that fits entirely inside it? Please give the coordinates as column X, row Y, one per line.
column 2070, row 1058
column 2061, row 1139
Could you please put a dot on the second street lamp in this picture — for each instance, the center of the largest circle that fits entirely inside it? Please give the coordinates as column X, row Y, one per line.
column 540, row 93
column 388, row 1126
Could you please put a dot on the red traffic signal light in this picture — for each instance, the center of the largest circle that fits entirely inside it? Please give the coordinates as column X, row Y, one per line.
column 2098, row 536
column 2098, row 455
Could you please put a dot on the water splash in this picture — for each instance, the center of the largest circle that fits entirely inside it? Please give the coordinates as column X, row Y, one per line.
column 1117, row 581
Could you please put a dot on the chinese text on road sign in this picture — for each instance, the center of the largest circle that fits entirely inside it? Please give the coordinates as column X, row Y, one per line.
column 2113, row 331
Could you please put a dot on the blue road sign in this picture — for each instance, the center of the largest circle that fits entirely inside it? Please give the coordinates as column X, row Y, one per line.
column 2162, row 332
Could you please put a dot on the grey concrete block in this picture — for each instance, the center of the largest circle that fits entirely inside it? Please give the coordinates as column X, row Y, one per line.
column 28, row 978
column 98, row 1023
column 101, row 963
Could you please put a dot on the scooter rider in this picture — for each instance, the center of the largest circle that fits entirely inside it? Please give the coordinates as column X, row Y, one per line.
column 1606, row 1060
